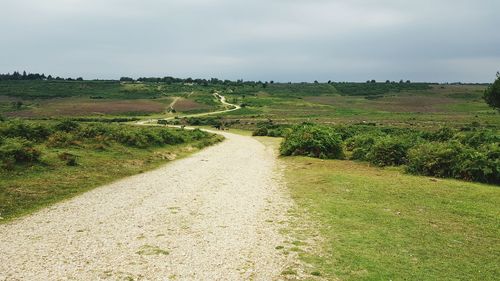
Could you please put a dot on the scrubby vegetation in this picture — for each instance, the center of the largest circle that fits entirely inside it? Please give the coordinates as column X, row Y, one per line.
column 17, row 138
column 492, row 94
column 372, row 88
column 471, row 153
column 70, row 157
column 312, row 140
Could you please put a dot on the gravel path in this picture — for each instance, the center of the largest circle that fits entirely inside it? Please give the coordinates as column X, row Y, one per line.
column 212, row 216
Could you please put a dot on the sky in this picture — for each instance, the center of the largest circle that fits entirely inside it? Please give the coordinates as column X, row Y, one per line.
column 280, row 40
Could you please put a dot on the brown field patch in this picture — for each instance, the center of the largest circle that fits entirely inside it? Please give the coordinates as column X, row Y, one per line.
column 78, row 107
column 189, row 105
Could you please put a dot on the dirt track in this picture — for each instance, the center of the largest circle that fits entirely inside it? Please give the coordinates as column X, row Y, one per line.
column 212, row 216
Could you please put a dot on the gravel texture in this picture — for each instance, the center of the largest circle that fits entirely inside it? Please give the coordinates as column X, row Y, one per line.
column 213, row 216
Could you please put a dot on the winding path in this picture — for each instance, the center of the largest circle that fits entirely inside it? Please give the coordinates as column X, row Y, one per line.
column 221, row 98
column 213, row 216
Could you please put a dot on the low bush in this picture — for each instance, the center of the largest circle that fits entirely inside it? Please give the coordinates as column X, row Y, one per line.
column 61, row 139
column 455, row 160
column 472, row 154
column 361, row 145
column 443, row 134
column 271, row 130
column 18, row 151
column 261, row 132
column 482, row 164
column 389, row 151
column 478, row 137
column 22, row 129
column 18, row 138
column 434, row 159
column 313, row 140
column 67, row 126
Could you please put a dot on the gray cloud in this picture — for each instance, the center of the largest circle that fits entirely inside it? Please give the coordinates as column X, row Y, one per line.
column 285, row 40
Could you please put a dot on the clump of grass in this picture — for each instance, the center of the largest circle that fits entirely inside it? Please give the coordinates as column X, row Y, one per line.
column 148, row 250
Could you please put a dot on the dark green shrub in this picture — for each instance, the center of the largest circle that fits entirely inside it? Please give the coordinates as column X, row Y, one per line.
column 131, row 138
column 454, row 160
column 482, row 165
column 61, row 139
column 197, row 134
column 67, row 126
column 492, row 93
column 272, row 130
column 18, row 151
column 169, row 138
column 478, row 138
column 312, row 140
column 152, row 137
column 443, row 134
column 434, row 159
column 22, row 129
column 389, row 151
column 361, row 145
column 94, row 130
column 262, row 131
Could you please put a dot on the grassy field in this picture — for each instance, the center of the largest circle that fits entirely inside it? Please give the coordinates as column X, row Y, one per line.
column 396, row 104
column 70, row 165
column 436, row 105
column 381, row 224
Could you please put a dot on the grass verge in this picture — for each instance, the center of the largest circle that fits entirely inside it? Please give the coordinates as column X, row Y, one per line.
column 381, row 224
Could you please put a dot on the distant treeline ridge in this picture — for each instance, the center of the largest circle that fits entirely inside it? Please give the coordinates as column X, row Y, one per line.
column 16, row 75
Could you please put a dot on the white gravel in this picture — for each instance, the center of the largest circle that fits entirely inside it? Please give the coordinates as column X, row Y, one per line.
column 212, row 216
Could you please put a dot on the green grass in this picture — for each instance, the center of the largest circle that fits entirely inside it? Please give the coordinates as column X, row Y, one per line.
column 27, row 188
column 381, row 224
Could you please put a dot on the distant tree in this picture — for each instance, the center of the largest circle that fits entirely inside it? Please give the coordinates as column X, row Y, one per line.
column 329, row 81
column 373, row 81
column 16, row 76
column 79, row 79
column 128, row 79
column 492, row 93
column 316, row 82
column 408, row 82
column 387, row 82
column 272, row 82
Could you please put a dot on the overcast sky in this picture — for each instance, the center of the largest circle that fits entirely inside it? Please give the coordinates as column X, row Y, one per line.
column 281, row 40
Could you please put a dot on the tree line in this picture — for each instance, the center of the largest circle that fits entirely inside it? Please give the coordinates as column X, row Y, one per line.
column 17, row 76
